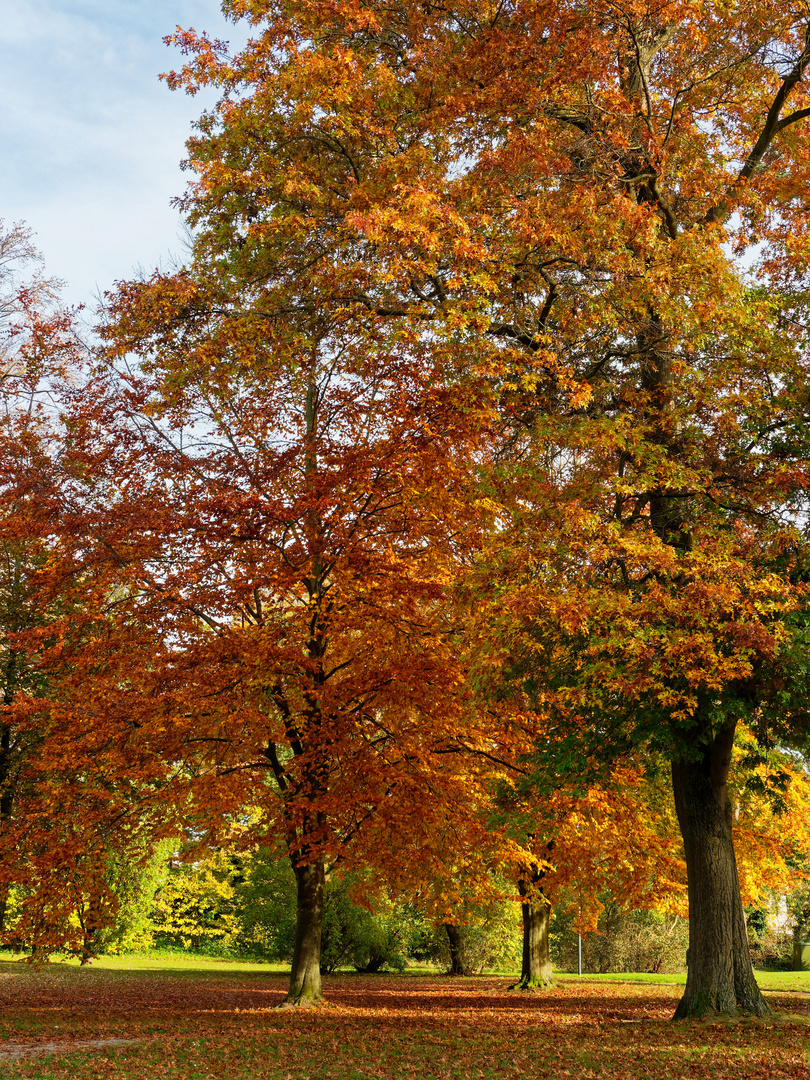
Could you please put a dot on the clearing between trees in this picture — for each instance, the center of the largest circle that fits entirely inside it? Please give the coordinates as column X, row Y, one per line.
column 216, row 1021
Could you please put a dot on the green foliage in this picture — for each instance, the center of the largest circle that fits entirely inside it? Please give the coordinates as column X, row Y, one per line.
column 625, row 940
column 489, row 938
column 245, row 905
column 135, row 885
column 771, row 948
column 229, row 903
column 369, row 941
column 264, row 899
column 195, row 908
column 798, row 903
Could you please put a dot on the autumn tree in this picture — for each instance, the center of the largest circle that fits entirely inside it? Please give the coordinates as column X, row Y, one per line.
column 620, row 838
column 273, row 496
column 36, row 348
column 582, row 840
column 535, row 912
column 662, row 523
column 283, row 508
column 64, row 812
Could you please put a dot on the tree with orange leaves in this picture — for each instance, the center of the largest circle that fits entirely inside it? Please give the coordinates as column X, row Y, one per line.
column 527, row 208
column 72, row 789
column 618, row 833
column 620, row 836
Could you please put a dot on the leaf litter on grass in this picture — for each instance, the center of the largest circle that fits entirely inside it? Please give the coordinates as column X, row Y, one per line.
column 222, row 1026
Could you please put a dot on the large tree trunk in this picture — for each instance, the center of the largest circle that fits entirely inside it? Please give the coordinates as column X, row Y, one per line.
column 720, row 979
column 458, row 964
column 536, row 962
column 305, row 976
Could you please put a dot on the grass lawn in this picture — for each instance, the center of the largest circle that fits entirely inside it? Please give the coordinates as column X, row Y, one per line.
column 210, row 1020
column 795, row 981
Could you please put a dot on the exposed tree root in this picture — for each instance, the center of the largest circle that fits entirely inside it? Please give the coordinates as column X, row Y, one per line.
column 302, row 1002
column 533, row 986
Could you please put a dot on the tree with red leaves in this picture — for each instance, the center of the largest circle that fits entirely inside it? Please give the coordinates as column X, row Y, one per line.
column 278, row 502
column 37, row 347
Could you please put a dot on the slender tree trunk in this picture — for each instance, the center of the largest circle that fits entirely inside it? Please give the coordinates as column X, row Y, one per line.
column 536, row 972
column 91, row 922
column 305, row 976
column 720, row 978
column 456, row 941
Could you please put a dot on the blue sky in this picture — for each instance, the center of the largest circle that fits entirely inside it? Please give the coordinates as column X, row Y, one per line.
column 92, row 140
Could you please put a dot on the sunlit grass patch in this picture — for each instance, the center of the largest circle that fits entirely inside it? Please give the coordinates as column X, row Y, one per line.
column 796, row 981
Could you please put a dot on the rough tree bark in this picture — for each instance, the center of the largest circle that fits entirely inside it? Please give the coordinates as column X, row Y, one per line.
column 458, row 965
column 720, row 978
column 305, row 974
column 91, row 921
column 536, row 972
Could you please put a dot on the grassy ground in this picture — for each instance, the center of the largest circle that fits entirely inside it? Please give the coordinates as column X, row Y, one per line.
column 787, row 981
column 215, row 1020
column 178, row 962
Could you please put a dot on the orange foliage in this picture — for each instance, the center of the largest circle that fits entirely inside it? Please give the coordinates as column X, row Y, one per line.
column 461, row 282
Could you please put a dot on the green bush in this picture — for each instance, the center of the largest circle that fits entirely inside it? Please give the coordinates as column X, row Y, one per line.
column 770, row 941
column 355, row 936
column 625, row 941
column 195, row 907
column 135, row 885
column 489, row 936
column 245, row 905
column 265, row 899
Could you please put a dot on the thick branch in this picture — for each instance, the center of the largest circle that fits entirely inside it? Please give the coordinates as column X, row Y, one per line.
column 771, row 128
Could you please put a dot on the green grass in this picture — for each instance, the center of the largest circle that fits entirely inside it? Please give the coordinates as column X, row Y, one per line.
column 785, row 981
column 182, row 962
column 176, row 961
column 665, row 979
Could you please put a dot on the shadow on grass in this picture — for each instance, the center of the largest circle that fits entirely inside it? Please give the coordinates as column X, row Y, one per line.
column 377, row 1028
